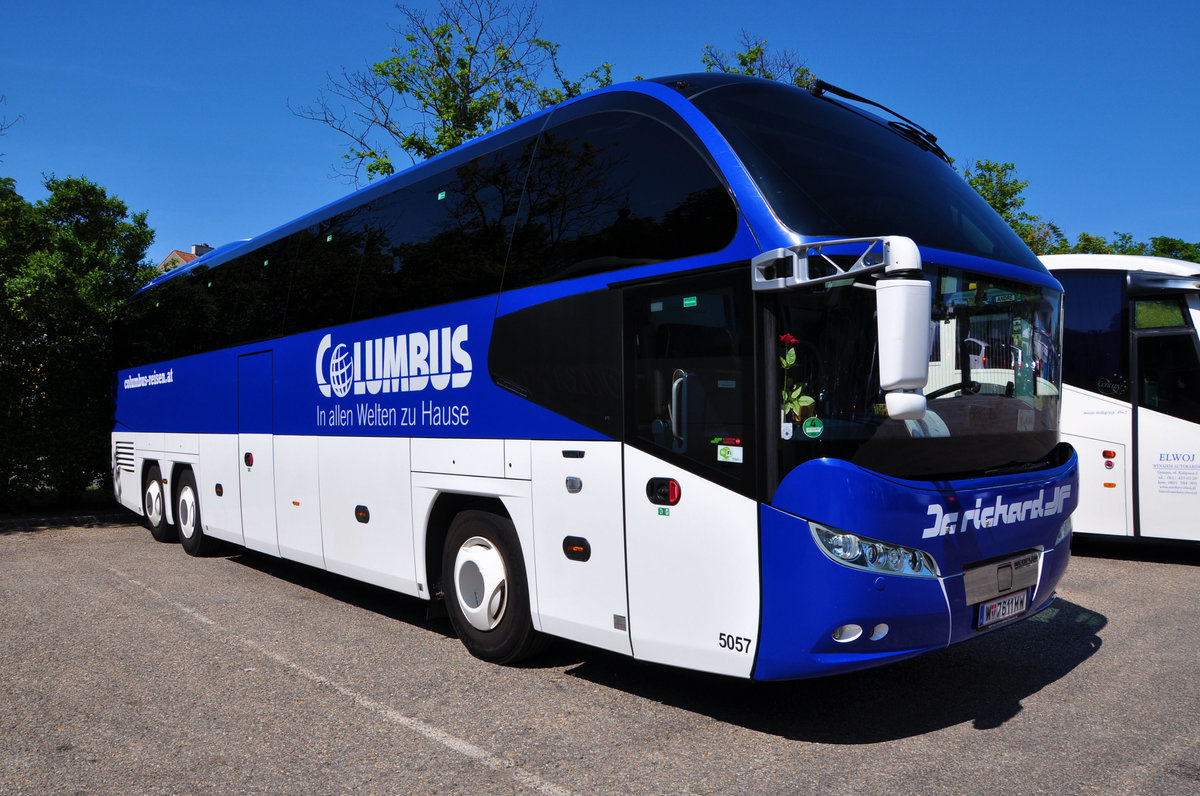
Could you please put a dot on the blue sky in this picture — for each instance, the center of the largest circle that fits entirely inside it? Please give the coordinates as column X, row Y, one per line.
column 182, row 109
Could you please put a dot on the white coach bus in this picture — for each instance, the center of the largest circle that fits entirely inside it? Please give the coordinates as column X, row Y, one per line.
column 1131, row 392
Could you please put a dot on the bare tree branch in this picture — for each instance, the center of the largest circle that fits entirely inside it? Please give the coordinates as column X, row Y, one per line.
column 755, row 59
column 4, row 122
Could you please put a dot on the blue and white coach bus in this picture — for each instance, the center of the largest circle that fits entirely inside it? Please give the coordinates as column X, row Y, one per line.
column 689, row 369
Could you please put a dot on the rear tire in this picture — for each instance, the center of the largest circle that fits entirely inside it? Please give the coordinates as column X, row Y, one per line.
column 485, row 590
column 154, row 506
column 187, row 517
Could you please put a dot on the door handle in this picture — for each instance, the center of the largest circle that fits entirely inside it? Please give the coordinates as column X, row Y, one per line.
column 663, row 491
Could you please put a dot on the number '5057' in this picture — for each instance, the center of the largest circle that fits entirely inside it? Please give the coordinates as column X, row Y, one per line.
column 727, row 641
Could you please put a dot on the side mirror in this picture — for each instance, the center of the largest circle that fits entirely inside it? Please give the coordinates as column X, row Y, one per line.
column 903, row 317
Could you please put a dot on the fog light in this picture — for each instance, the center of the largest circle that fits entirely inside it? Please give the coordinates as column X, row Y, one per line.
column 880, row 631
column 847, row 633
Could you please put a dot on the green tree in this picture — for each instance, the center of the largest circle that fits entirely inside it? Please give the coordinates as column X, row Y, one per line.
column 756, row 60
column 997, row 183
column 1175, row 248
column 474, row 66
column 66, row 265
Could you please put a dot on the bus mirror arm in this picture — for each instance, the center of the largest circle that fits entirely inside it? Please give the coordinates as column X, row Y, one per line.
column 785, row 269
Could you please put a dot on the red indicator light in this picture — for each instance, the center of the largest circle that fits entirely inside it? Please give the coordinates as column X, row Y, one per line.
column 672, row 492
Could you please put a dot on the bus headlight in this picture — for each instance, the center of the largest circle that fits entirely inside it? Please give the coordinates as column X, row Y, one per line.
column 873, row 555
column 1064, row 532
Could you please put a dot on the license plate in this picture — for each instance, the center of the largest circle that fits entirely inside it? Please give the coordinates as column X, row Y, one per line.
column 1002, row 608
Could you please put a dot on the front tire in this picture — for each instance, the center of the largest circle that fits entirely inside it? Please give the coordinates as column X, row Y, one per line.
column 187, row 517
column 154, row 506
column 484, row 586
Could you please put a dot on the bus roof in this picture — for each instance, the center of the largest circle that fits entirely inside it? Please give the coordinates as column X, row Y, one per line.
column 676, row 92
column 1121, row 262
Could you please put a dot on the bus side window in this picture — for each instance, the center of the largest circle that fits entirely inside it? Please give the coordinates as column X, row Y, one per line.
column 442, row 239
column 612, row 190
column 324, row 268
column 691, row 374
column 564, row 355
column 1169, row 375
column 259, row 281
column 1095, row 332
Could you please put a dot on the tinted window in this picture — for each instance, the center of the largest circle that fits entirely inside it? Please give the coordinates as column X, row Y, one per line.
column 616, row 189
column 1095, row 332
column 255, row 291
column 1169, row 375
column 442, row 239
column 324, row 269
column 184, row 316
column 564, row 355
column 690, row 376
column 830, row 171
column 142, row 331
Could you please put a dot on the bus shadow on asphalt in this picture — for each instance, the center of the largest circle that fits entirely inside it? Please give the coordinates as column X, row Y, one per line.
column 51, row 521
column 376, row 599
column 1151, row 551
column 982, row 681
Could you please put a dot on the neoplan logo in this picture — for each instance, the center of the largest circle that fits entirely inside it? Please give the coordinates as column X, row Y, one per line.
column 400, row 363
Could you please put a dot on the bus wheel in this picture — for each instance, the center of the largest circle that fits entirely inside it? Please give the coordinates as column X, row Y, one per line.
column 154, row 507
column 187, row 517
column 487, row 597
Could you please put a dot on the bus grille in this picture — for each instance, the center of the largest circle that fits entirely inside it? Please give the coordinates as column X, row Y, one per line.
column 124, row 456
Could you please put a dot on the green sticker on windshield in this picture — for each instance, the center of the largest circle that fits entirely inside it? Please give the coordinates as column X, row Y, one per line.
column 813, row 427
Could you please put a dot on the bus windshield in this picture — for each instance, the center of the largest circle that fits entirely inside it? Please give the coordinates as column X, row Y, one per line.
column 994, row 383
column 830, row 170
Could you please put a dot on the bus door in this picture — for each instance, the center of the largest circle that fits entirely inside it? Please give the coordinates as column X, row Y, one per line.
column 691, row 523
column 579, row 541
column 256, row 447
column 1167, row 368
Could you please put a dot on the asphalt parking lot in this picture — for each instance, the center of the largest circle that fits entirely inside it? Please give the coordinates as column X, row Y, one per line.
column 129, row 667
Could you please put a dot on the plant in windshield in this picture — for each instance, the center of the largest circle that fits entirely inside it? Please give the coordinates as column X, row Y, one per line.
column 794, row 399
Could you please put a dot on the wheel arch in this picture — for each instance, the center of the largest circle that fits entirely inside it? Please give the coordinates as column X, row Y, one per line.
column 143, row 477
column 177, row 469
column 447, row 506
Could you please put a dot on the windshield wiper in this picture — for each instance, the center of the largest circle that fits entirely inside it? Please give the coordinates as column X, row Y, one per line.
column 906, row 127
column 967, row 387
